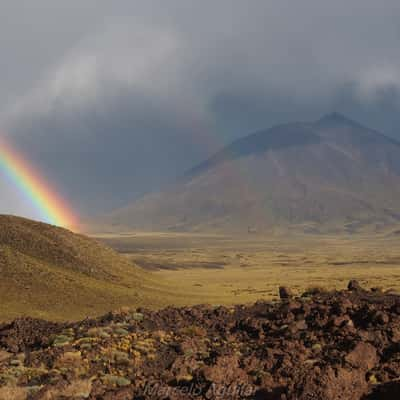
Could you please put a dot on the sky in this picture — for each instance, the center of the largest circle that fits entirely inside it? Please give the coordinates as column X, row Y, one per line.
column 113, row 99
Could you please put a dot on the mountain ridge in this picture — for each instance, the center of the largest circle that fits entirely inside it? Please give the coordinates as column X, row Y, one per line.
column 327, row 175
column 327, row 121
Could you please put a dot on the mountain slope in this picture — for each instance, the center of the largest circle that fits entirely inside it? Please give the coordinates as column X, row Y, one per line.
column 50, row 272
column 329, row 175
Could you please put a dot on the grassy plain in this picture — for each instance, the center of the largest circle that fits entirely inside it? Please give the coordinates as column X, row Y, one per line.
column 218, row 269
column 50, row 273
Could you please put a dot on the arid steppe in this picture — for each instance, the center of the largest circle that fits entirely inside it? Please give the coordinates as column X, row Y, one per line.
column 219, row 269
column 54, row 274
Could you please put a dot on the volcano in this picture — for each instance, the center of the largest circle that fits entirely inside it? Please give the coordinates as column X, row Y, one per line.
column 329, row 175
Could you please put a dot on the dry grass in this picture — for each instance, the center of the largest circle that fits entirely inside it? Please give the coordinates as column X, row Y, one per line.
column 224, row 270
column 52, row 274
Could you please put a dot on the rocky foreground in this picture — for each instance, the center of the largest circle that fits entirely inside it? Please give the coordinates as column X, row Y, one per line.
column 336, row 345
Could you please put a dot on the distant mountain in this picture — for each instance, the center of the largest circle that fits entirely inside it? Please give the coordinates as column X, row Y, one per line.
column 329, row 175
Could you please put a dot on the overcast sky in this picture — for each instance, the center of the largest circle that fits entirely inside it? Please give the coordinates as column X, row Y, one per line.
column 111, row 99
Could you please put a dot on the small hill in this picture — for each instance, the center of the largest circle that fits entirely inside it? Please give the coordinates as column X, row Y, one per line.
column 51, row 272
column 329, row 175
column 53, row 246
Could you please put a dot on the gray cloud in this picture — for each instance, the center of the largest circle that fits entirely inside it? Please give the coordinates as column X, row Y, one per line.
column 113, row 99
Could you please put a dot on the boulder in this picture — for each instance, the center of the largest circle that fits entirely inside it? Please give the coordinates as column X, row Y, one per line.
column 354, row 285
column 285, row 292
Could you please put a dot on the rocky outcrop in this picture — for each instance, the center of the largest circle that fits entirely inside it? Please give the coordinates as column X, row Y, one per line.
column 325, row 345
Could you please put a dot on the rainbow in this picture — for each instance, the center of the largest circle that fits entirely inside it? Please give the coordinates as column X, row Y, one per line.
column 51, row 208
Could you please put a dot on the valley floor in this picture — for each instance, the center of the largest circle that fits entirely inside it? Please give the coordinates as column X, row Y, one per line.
column 188, row 269
column 217, row 269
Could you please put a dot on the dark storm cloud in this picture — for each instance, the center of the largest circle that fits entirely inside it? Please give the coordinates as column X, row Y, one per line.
column 113, row 99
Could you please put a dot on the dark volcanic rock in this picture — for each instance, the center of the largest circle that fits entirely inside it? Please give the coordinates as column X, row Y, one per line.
column 387, row 391
column 285, row 293
column 330, row 345
column 333, row 384
column 363, row 356
column 354, row 285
